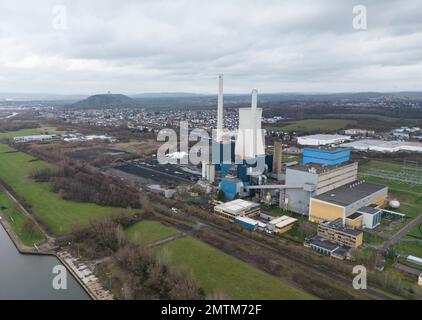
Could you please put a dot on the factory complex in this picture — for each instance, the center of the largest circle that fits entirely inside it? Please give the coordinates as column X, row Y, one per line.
column 323, row 188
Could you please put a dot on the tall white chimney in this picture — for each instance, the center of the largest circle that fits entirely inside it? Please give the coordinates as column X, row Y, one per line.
column 253, row 114
column 220, row 109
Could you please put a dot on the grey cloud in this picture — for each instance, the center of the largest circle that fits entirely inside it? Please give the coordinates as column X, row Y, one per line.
column 136, row 46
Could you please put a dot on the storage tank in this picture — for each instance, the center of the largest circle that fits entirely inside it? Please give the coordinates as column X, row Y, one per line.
column 395, row 204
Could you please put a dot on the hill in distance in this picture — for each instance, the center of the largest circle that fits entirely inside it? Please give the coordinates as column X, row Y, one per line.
column 105, row 101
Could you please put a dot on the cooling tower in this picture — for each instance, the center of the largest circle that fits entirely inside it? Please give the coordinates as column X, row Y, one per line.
column 250, row 136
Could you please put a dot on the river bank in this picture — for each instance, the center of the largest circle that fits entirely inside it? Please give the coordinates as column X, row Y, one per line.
column 29, row 275
column 92, row 288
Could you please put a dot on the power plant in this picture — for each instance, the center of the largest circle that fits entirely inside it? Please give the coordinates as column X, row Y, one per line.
column 324, row 186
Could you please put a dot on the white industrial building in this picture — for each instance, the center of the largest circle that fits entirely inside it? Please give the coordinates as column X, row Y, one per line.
column 322, row 139
column 384, row 146
column 35, row 138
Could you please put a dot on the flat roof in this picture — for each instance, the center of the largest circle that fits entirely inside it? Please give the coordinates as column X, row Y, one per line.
column 247, row 220
column 384, row 145
column 354, row 216
column 338, row 225
column 237, row 206
column 350, row 193
column 323, row 243
column 319, row 168
column 37, row 136
column 369, row 210
column 327, row 137
column 282, row 221
column 326, row 149
column 341, row 251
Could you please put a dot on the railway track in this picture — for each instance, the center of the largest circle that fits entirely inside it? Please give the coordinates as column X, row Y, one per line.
column 316, row 269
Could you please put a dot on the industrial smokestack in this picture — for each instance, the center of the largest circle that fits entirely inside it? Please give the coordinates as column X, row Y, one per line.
column 220, row 109
column 254, row 100
column 277, row 159
column 253, row 113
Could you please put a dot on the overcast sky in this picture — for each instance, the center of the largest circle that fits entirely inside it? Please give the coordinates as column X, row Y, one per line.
column 135, row 46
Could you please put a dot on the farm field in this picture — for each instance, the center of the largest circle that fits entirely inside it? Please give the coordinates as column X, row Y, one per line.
column 17, row 221
column 216, row 271
column 313, row 125
column 148, row 231
column 28, row 132
column 57, row 214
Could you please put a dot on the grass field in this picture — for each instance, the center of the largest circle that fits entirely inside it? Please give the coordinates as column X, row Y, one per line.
column 410, row 195
column 49, row 207
column 28, row 132
column 372, row 238
column 314, row 125
column 17, row 221
column 416, row 232
column 412, row 247
column 218, row 271
column 147, row 231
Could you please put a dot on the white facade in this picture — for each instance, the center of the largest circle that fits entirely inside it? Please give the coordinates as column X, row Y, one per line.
column 220, row 109
column 40, row 137
column 384, row 146
column 250, row 141
column 208, row 172
column 322, row 139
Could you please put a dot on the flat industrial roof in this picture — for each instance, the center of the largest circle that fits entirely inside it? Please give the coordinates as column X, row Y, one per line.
column 354, row 216
column 350, row 193
column 326, row 149
column 369, row 210
column 282, row 221
column 323, row 243
column 338, row 225
column 237, row 206
column 319, row 168
column 328, row 137
column 383, row 145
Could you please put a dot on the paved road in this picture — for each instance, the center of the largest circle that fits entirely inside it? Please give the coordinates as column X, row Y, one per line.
column 401, row 233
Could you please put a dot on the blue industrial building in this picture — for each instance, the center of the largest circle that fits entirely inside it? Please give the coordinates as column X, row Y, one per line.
column 249, row 224
column 232, row 187
column 327, row 156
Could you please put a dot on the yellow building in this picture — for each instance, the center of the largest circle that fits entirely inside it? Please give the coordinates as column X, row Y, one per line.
column 345, row 201
column 237, row 208
column 335, row 232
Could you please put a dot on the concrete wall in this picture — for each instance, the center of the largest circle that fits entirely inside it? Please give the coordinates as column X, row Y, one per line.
column 299, row 199
column 336, row 178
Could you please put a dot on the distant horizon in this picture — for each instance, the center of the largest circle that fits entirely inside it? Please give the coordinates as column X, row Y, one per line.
column 79, row 47
column 6, row 95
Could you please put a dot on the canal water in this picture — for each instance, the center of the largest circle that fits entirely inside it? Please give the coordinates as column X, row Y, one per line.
column 31, row 276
